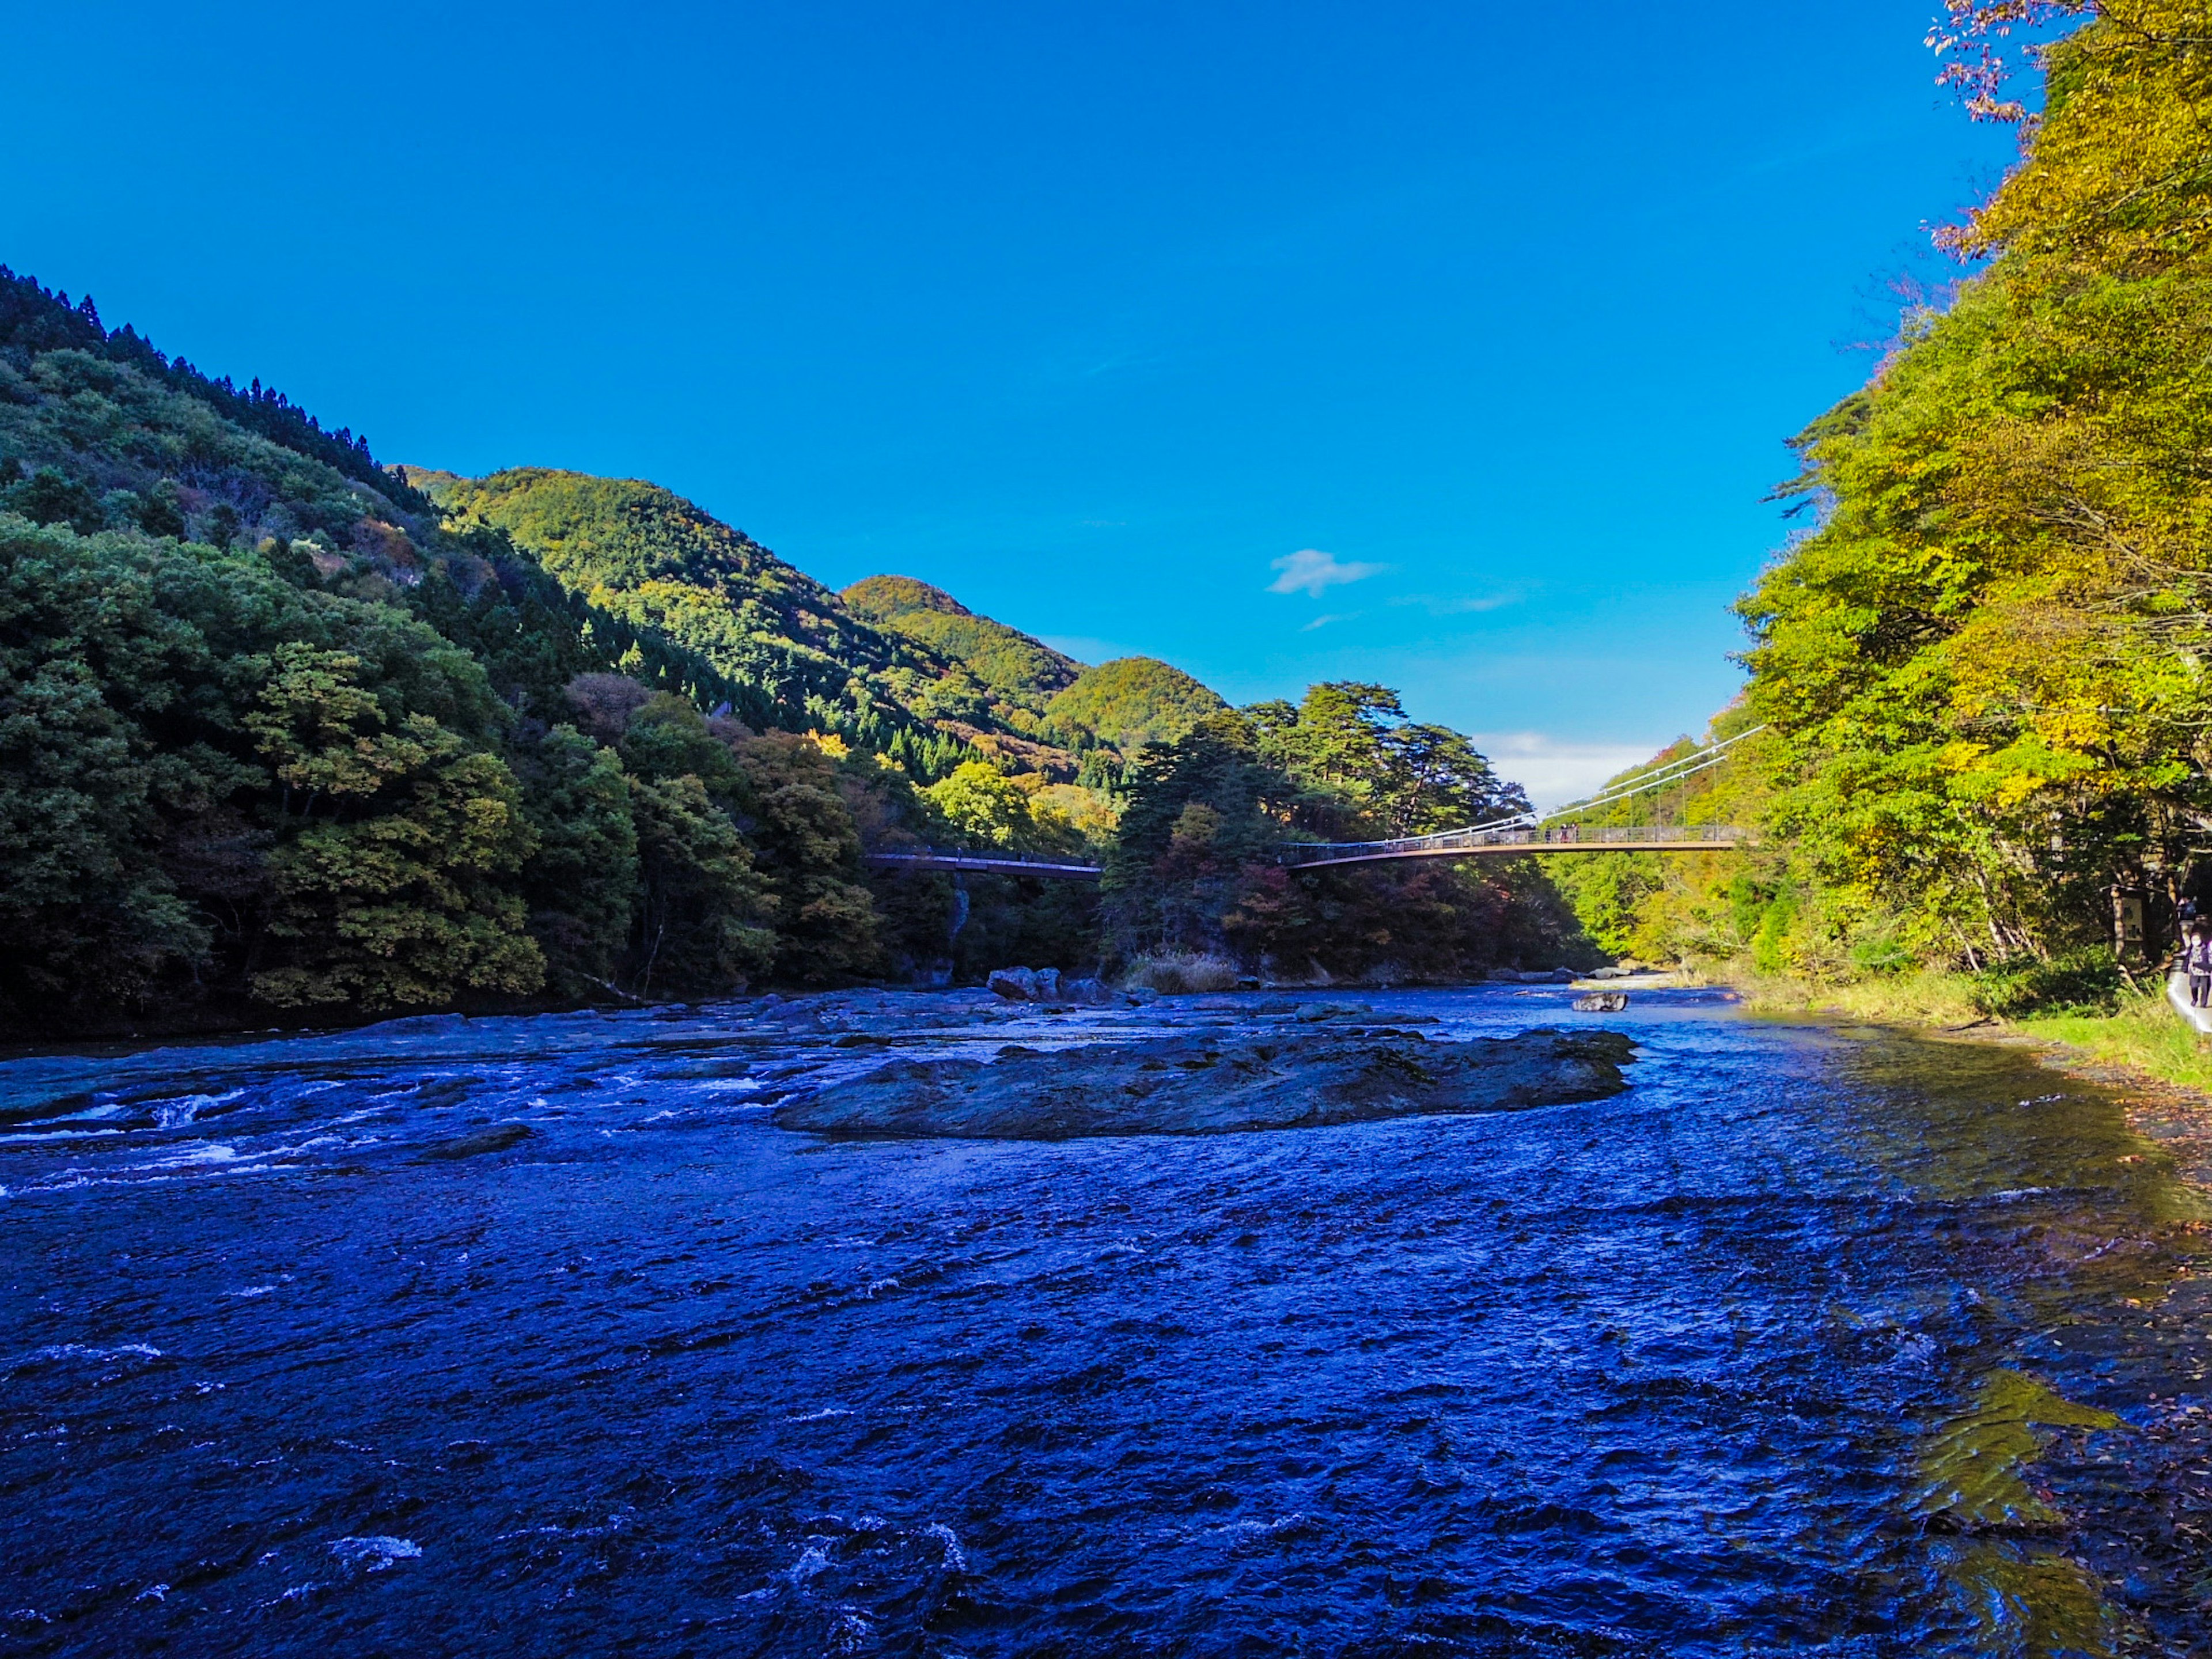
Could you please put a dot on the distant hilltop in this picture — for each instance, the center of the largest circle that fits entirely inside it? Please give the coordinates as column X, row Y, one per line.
column 637, row 551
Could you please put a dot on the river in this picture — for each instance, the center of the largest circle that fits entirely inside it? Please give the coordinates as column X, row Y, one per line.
column 534, row 1336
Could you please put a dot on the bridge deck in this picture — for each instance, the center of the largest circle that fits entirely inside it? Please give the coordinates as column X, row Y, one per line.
column 1452, row 844
column 984, row 863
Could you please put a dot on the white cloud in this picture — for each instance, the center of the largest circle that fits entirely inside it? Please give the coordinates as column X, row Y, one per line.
column 1554, row 773
column 1311, row 571
column 1323, row 622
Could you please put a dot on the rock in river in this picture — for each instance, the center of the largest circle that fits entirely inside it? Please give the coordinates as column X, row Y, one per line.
column 1203, row 1083
column 1046, row 985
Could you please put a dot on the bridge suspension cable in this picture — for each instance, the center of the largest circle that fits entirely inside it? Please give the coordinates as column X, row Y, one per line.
column 1673, row 772
column 1525, row 831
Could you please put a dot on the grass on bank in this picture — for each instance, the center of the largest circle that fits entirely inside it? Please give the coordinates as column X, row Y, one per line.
column 2146, row 1034
column 1928, row 998
column 2142, row 1033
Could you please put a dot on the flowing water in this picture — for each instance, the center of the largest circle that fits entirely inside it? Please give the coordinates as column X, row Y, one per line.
column 534, row 1336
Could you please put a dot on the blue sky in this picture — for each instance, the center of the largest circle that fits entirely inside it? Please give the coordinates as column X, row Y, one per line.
column 1450, row 345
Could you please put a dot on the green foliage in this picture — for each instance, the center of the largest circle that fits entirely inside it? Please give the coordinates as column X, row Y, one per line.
column 583, row 881
column 90, row 662
column 2083, row 981
column 795, row 658
column 242, row 772
column 1981, row 669
column 47, row 497
column 668, row 737
column 1984, row 665
column 34, row 322
column 1714, row 906
column 810, row 856
column 402, row 906
column 982, row 806
column 703, row 913
column 1132, row 702
column 1768, row 938
column 209, row 771
column 1012, row 669
column 1193, row 868
column 1354, row 747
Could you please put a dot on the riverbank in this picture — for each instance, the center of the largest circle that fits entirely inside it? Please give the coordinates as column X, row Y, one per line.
column 2144, row 1047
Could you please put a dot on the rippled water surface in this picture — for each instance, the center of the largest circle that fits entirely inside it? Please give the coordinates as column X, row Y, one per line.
column 534, row 1336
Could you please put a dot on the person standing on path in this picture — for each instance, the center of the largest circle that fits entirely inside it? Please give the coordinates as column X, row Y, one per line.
column 2196, row 962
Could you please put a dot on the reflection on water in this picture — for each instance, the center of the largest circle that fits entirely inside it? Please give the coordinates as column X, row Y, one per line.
column 533, row 1336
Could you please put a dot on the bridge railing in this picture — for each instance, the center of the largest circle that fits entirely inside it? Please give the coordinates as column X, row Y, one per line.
column 1536, row 837
column 993, row 860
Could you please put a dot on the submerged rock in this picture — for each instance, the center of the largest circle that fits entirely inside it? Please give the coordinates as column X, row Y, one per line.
column 497, row 1138
column 1215, row 1084
column 1313, row 1013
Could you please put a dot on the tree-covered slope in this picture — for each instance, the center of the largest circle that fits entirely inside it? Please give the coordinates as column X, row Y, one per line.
column 643, row 553
column 100, row 432
column 34, row 322
column 1132, row 702
column 1984, row 667
column 273, row 736
column 1020, row 675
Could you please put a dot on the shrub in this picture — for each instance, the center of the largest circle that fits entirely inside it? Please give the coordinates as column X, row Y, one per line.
column 1176, row 973
column 2079, row 981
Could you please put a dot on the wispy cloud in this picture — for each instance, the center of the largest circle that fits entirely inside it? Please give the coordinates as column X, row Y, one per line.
column 1323, row 622
column 1311, row 571
column 1444, row 604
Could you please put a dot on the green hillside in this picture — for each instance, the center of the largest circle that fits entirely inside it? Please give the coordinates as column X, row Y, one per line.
column 1019, row 674
column 277, row 734
column 284, row 733
column 647, row 556
column 1132, row 702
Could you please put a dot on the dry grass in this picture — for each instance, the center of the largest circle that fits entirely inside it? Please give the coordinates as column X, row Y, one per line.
column 1176, row 973
column 1927, row 998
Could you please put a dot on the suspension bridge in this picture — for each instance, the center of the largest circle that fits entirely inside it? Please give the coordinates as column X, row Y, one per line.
column 1517, row 836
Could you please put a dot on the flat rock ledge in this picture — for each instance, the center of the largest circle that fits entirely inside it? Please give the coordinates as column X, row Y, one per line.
column 1208, row 1084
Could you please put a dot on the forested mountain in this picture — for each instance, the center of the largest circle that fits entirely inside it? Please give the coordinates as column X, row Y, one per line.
column 646, row 555
column 1982, row 670
column 1132, row 702
column 272, row 734
column 283, row 730
column 1019, row 675
column 1124, row 706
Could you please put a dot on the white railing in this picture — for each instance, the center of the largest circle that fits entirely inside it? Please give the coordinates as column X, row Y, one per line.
column 1532, row 837
column 993, row 862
